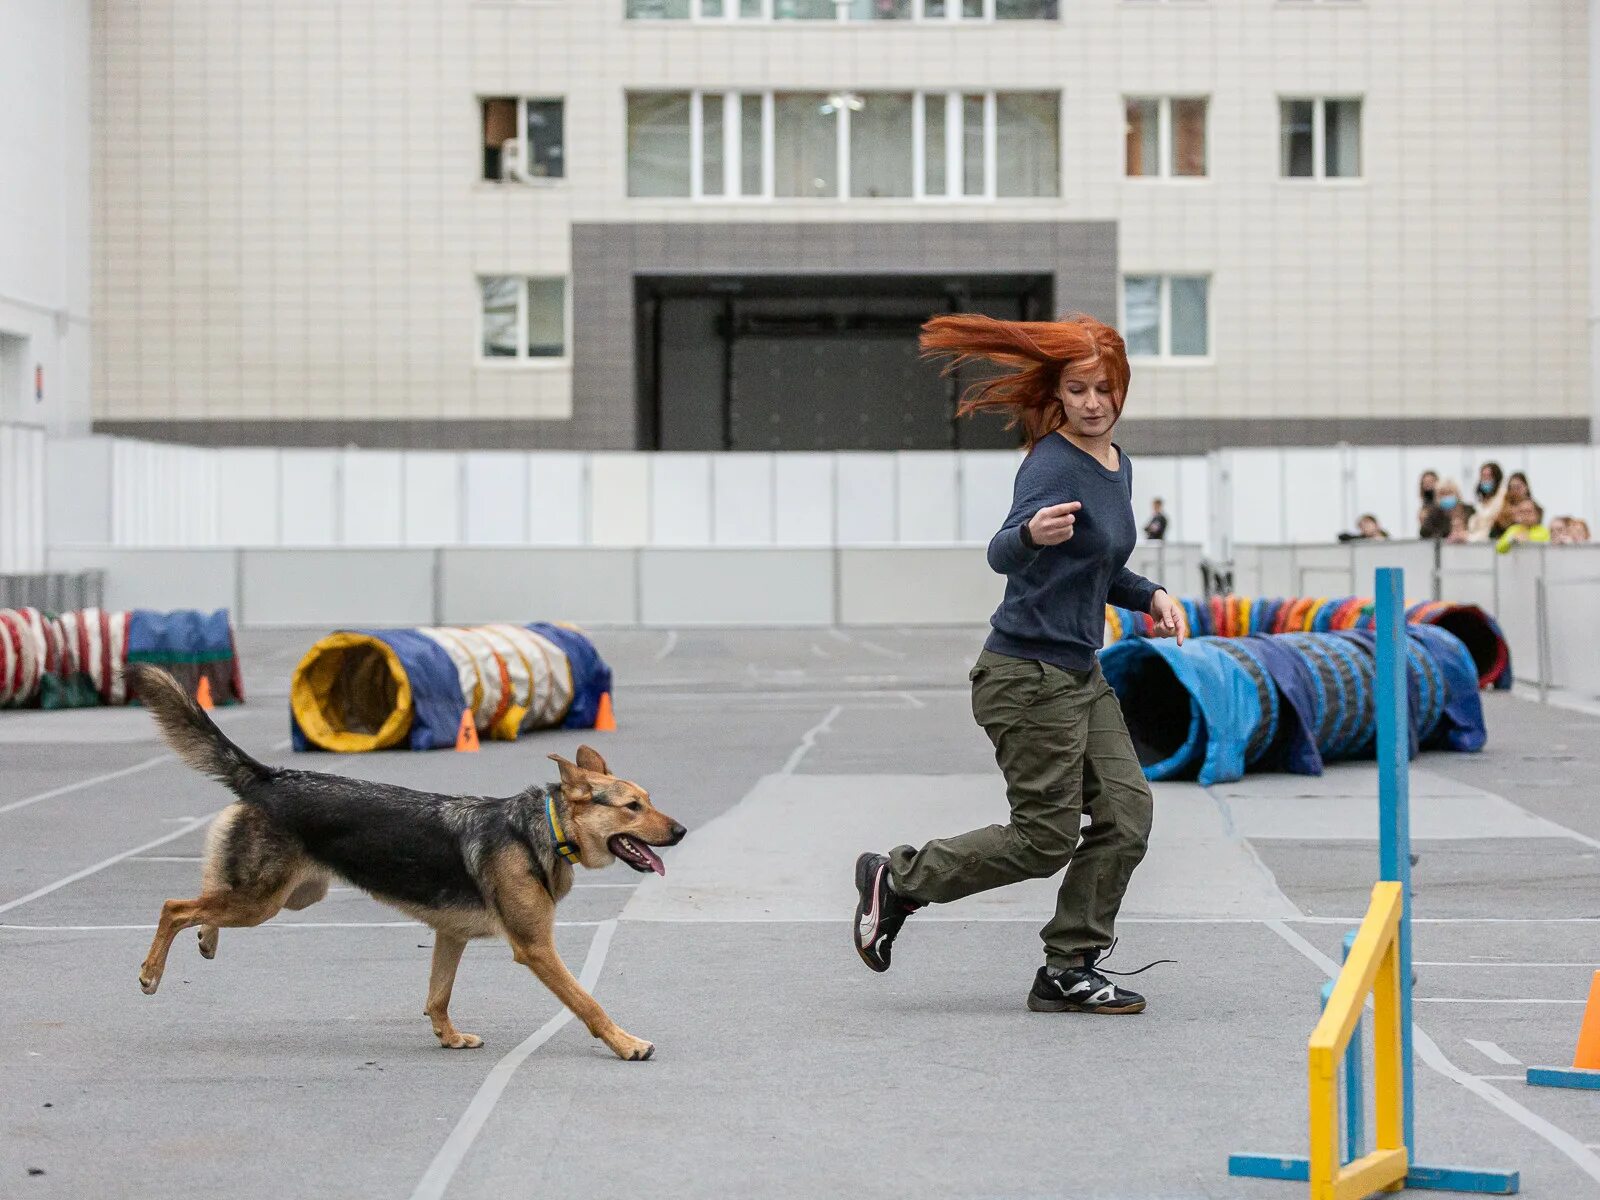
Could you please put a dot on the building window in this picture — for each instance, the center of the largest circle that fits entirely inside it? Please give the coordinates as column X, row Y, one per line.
column 845, row 145
column 1320, row 139
column 1166, row 316
column 522, row 318
column 523, row 138
column 843, row 10
column 1166, row 136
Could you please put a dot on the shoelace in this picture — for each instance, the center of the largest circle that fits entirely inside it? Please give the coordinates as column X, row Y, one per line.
column 1111, row 949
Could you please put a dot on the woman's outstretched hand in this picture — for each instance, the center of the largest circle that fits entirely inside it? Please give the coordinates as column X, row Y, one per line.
column 1052, row 526
column 1168, row 616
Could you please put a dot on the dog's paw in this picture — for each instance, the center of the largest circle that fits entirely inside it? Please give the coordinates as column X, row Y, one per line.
column 632, row 1049
column 149, row 985
column 461, row 1041
column 208, row 945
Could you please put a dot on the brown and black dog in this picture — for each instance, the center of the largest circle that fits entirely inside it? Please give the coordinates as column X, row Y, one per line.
column 468, row 866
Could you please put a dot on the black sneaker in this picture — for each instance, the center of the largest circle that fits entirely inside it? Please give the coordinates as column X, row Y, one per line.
column 1080, row 989
column 879, row 912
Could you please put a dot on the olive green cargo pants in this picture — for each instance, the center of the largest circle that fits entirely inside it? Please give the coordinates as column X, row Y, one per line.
column 1061, row 742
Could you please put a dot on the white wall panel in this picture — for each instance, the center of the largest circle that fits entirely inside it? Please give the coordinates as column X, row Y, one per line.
column 370, row 484
column 496, row 497
column 78, row 491
column 1560, row 479
column 1190, row 520
column 587, row 586
column 22, row 498
column 431, row 498
column 248, row 503
column 619, row 499
column 917, row 586
column 865, row 498
column 1153, row 477
column 927, row 497
column 742, row 492
column 680, row 500
column 1378, row 485
column 987, row 479
column 1256, row 478
column 1313, row 494
column 803, row 499
column 310, row 497
column 736, row 587
column 558, row 492
column 340, row 588
column 158, row 579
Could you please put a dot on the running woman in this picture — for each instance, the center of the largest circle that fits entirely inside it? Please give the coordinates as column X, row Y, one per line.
column 1037, row 689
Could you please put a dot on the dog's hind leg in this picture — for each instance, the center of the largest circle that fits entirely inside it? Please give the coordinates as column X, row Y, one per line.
column 447, row 948
column 230, row 909
column 208, row 941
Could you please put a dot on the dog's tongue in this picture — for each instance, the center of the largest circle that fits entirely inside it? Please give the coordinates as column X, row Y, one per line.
column 654, row 859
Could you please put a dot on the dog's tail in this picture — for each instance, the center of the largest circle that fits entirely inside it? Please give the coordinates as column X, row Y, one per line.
column 192, row 734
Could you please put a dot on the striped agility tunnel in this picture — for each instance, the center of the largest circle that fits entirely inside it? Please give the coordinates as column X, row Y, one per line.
column 1216, row 707
column 381, row 689
column 1243, row 616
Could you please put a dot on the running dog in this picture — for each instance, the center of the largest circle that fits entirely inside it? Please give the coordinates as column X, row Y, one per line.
column 468, row 866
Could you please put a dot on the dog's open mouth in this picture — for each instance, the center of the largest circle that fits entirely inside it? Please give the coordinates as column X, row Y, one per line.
column 636, row 854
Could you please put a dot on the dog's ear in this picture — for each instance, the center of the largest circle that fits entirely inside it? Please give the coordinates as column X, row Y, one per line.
column 589, row 759
column 575, row 786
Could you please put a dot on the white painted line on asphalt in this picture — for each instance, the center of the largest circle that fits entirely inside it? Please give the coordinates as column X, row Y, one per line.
column 436, row 1180
column 168, row 858
column 672, row 642
column 267, row 925
column 90, row 782
column 186, row 828
column 1493, row 1053
column 809, row 740
column 1481, row 1000
column 1417, row 962
column 1428, row 1050
column 628, row 886
column 1523, row 1078
column 913, row 701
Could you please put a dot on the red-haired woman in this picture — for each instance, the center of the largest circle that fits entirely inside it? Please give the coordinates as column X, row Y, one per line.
column 1037, row 689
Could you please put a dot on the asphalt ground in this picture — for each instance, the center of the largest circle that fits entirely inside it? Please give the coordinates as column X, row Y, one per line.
column 299, row 1064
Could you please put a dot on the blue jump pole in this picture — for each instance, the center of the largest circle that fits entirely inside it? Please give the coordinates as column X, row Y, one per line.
column 1394, row 799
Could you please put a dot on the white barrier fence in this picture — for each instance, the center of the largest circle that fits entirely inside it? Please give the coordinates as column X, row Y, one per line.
column 649, row 586
column 22, row 499
column 108, row 491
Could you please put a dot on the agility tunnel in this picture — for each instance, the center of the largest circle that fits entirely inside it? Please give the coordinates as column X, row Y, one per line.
column 377, row 689
column 79, row 659
column 1242, row 616
column 1216, row 707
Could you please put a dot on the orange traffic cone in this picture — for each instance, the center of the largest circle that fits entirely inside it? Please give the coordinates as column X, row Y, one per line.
column 202, row 694
column 1588, row 1056
column 467, row 737
column 605, row 721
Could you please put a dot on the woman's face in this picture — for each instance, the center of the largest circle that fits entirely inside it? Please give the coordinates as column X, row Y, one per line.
column 1516, row 489
column 1368, row 526
column 1087, row 400
column 1429, row 484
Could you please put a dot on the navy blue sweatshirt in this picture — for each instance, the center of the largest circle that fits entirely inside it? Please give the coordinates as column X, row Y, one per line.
column 1054, row 607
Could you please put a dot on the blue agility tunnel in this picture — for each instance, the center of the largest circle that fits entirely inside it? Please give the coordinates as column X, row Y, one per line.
column 1216, row 707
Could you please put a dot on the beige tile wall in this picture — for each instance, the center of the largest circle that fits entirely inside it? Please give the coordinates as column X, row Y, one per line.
column 288, row 223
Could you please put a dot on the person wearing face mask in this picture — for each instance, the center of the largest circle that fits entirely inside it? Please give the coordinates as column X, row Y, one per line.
column 1490, row 495
column 1037, row 688
column 1429, row 517
column 1439, row 515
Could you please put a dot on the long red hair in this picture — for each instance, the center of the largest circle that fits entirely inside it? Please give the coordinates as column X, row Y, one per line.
column 1037, row 352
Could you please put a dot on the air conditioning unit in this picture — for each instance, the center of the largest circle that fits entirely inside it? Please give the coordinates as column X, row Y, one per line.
column 511, row 161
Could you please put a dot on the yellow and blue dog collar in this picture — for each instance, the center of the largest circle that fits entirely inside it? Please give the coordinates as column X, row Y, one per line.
column 567, row 850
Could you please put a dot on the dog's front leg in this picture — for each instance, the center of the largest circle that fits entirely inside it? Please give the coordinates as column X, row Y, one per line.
column 539, row 956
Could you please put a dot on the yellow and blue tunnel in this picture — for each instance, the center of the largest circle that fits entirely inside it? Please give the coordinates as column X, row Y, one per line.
column 379, row 689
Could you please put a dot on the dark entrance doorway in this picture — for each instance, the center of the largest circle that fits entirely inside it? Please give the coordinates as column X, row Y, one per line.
column 812, row 362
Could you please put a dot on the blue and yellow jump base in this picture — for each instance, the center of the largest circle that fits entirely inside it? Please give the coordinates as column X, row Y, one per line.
column 1434, row 1179
column 1564, row 1077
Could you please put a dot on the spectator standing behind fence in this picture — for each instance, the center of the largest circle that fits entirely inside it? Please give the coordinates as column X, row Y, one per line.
column 1156, row 527
column 1440, row 498
column 1428, row 490
column 1527, row 525
column 1490, row 496
column 1574, row 530
column 1516, row 491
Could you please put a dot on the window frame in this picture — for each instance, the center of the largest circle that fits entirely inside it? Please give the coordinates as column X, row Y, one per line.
column 522, row 359
column 954, row 147
column 1165, row 146
column 1164, row 355
column 730, row 15
column 522, row 176
column 1319, row 138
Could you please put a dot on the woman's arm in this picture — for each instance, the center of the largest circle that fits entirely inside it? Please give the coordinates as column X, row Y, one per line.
column 1132, row 591
column 1010, row 549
